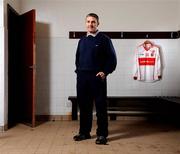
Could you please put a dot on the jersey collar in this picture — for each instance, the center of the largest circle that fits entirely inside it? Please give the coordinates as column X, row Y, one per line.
column 92, row 34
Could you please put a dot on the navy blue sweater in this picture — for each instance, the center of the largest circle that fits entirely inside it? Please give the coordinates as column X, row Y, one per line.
column 96, row 54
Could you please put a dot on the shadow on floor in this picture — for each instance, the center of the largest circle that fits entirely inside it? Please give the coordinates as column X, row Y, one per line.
column 140, row 128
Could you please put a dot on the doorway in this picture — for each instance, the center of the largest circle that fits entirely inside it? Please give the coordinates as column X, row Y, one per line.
column 21, row 67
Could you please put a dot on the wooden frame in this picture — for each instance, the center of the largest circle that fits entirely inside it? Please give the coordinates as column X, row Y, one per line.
column 131, row 35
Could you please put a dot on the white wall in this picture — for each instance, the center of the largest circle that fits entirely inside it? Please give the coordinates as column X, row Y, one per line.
column 1, row 65
column 56, row 79
column 179, row 15
column 125, row 15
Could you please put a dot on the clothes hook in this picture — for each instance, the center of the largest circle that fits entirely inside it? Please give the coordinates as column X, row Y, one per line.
column 121, row 34
column 171, row 34
column 74, row 34
column 147, row 35
column 178, row 34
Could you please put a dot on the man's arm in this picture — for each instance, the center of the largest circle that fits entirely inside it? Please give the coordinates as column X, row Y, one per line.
column 111, row 60
column 77, row 57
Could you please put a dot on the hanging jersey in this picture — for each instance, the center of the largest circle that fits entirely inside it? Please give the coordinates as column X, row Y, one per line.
column 147, row 64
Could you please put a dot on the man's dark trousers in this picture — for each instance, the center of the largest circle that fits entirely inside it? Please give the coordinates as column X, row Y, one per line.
column 91, row 88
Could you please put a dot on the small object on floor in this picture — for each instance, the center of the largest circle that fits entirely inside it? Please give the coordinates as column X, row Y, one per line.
column 80, row 137
column 101, row 140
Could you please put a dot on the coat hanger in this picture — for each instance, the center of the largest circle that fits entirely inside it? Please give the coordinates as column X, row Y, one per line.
column 147, row 45
column 148, row 42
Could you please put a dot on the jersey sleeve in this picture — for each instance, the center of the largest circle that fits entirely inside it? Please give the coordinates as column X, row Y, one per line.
column 136, row 65
column 157, row 71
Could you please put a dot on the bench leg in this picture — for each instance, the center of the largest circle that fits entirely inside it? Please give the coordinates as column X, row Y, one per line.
column 74, row 110
column 113, row 116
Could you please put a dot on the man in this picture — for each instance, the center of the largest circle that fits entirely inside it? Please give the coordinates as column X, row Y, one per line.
column 95, row 59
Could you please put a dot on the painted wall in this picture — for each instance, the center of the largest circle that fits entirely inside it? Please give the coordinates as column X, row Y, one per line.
column 56, row 79
column 179, row 15
column 125, row 15
column 1, row 65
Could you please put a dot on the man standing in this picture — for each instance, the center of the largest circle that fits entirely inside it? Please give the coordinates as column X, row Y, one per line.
column 95, row 59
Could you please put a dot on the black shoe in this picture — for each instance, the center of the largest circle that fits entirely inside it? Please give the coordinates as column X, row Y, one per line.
column 81, row 137
column 101, row 140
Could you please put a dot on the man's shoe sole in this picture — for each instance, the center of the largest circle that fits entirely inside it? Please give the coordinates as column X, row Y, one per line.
column 81, row 137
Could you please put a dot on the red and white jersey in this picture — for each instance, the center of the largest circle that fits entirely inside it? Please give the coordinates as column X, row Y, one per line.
column 147, row 63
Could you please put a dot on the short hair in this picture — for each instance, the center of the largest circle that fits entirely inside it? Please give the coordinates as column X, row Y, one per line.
column 93, row 15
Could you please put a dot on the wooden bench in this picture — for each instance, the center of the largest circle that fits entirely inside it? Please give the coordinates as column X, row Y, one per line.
column 135, row 106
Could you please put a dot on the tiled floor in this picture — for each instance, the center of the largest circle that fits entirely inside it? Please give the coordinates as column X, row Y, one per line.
column 125, row 137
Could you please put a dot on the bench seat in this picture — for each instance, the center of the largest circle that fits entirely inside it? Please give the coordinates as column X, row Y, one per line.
column 135, row 106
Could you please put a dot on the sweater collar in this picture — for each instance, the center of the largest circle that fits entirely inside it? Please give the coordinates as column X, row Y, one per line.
column 92, row 34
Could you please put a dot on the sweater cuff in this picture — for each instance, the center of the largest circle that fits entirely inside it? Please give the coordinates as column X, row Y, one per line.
column 105, row 72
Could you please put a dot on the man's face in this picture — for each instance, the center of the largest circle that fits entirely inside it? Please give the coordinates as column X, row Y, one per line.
column 91, row 24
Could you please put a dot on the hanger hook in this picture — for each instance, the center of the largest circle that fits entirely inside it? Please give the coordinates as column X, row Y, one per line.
column 171, row 34
column 121, row 34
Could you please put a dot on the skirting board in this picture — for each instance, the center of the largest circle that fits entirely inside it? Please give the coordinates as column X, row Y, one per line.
column 69, row 117
column 3, row 128
column 53, row 117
